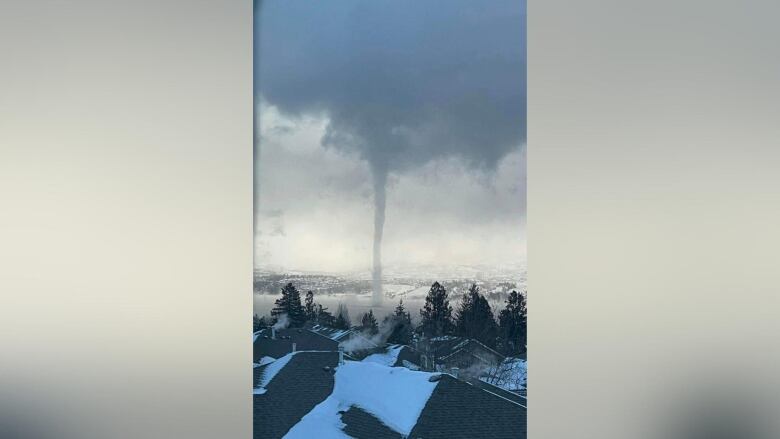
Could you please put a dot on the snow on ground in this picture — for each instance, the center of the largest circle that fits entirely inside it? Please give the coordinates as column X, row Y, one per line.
column 417, row 293
column 387, row 358
column 511, row 375
column 393, row 289
column 270, row 372
column 395, row 395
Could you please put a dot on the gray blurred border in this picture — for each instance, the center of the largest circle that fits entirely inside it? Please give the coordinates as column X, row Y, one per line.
column 125, row 183
column 653, row 207
column 125, row 219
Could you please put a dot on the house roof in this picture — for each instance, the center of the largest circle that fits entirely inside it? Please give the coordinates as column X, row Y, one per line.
column 521, row 399
column 294, row 391
column 445, row 347
column 441, row 346
column 331, row 333
column 455, row 410
column 359, row 424
column 257, row 373
column 304, row 339
column 407, row 353
column 458, row 410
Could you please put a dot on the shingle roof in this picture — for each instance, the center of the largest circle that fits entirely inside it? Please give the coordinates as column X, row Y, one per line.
column 295, row 390
column 458, row 410
column 409, row 354
column 441, row 346
column 455, row 409
column 257, row 373
column 362, row 425
column 447, row 348
column 512, row 396
column 331, row 333
column 304, row 339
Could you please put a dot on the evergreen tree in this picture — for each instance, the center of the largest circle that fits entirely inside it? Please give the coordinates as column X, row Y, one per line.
column 512, row 325
column 474, row 318
column 342, row 318
column 436, row 313
column 368, row 323
column 401, row 322
column 290, row 304
column 324, row 317
column 310, row 308
column 257, row 323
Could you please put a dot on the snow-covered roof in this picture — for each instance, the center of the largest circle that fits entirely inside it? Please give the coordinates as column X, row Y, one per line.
column 386, row 358
column 331, row 333
column 394, row 395
column 270, row 371
column 308, row 394
column 295, row 389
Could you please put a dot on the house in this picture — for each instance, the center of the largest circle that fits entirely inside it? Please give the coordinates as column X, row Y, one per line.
column 275, row 344
column 449, row 352
column 320, row 394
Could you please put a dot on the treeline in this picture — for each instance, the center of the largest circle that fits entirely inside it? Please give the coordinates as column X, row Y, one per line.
column 474, row 318
column 298, row 313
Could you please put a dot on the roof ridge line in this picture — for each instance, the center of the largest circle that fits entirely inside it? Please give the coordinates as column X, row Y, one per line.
column 494, row 394
column 484, row 390
column 499, row 388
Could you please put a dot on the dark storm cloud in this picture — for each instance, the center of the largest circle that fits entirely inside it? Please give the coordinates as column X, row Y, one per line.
column 402, row 82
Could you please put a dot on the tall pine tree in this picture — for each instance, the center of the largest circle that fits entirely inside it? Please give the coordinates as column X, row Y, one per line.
column 436, row 313
column 512, row 325
column 258, row 323
column 310, row 308
column 324, row 317
column 290, row 304
column 401, row 321
column 368, row 323
column 474, row 318
column 342, row 318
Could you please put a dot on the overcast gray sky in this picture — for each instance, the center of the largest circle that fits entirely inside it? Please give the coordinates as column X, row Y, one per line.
column 431, row 94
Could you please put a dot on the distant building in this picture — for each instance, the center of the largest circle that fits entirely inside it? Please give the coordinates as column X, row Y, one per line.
column 449, row 352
